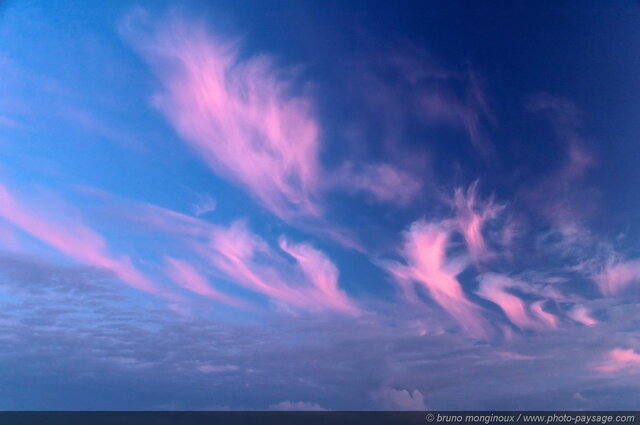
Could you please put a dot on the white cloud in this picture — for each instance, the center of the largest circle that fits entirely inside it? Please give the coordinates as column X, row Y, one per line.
column 392, row 399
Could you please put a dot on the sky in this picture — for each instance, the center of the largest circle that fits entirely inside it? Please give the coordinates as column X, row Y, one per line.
column 298, row 205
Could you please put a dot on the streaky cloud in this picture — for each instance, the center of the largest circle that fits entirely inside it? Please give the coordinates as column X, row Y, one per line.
column 537, row 308
column 235, row 254
column 247, row 259
column 494, row 287
column 73, row 239
column 582, row 315
column 427, row 263
column 424, row 93
column 321, row 272
column 616, row 276
column 620, row 360
column 471, row 216
column 557, row 195
column 187, row 276
column 384, row 182
column 240, row 115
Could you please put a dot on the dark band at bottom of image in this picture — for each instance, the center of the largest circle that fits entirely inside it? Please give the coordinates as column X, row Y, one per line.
column 325, row 417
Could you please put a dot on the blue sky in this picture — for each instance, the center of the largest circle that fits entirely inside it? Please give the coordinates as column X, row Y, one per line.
column 319, row 205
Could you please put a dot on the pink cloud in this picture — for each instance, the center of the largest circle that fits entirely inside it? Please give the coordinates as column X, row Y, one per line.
column 427, row 263
column 618, row 275
column 620, row 359
column 321, row 273
column 559, row 196
column 581, row 315
column 150, row 218
column 240, row 115
column 73, row 239
column 384, row 182
column 494, row 287
column 187, row 276
column 232, row 251
column 424, row 92
column 234, row 254
column 469, row 112
column 163, row 219
column 517, row 356
column 247, row 260
column 471, row 216
column 537, row 308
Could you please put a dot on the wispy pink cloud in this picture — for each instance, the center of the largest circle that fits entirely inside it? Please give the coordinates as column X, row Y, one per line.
column 156, row 218
column 246, row 259
column 517, row 356
column 427, row 263
column 618, row 275
column 384, row 182
column 537, row 308
column 495, row 288
column 321, row 273
column 558, row 195
column 469, row 111
column 620, row 359
column 232, row 251
column 582, row 315
column 73, row 239
column 424, row 93
column 240, row 115
column 187, row 276
column 471, row 216
column 238, row 256
column 565, row 118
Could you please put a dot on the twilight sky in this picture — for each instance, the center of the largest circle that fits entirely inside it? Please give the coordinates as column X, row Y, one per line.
column 336, row 205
